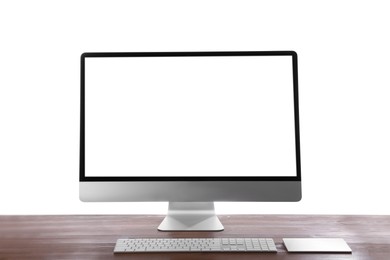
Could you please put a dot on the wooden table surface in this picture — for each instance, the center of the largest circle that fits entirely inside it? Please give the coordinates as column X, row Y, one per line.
column 94, row 236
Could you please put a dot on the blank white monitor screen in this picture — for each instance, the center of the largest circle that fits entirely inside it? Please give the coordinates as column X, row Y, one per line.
column 189, row 116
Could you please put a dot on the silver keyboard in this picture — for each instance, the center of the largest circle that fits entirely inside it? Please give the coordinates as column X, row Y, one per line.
column 145, row 245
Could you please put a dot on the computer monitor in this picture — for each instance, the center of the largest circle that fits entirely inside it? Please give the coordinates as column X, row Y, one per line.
column 190, row 128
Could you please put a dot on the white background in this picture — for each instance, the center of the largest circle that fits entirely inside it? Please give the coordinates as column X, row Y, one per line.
column 344, row 64
column 189, row 116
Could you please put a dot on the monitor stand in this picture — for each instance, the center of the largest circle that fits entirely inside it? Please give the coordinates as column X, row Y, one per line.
column 191, row 216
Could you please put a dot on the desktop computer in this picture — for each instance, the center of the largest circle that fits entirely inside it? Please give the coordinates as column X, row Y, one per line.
column 190, row 128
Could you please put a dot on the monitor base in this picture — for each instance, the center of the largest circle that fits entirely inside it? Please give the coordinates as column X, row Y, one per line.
column 191, row 216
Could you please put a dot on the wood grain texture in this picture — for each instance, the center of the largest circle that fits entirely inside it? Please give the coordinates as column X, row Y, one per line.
column 94, row 236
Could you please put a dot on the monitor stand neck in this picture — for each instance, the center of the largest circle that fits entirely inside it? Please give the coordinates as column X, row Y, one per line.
column 191, row 216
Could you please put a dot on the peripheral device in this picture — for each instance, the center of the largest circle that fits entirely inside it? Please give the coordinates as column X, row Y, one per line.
column 189, row 128
column 316, row 245
column 225, row 244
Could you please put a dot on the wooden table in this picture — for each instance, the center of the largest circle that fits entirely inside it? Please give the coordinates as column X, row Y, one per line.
column 94, row 236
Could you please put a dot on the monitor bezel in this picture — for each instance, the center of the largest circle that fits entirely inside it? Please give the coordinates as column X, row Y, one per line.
column 84, row 178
